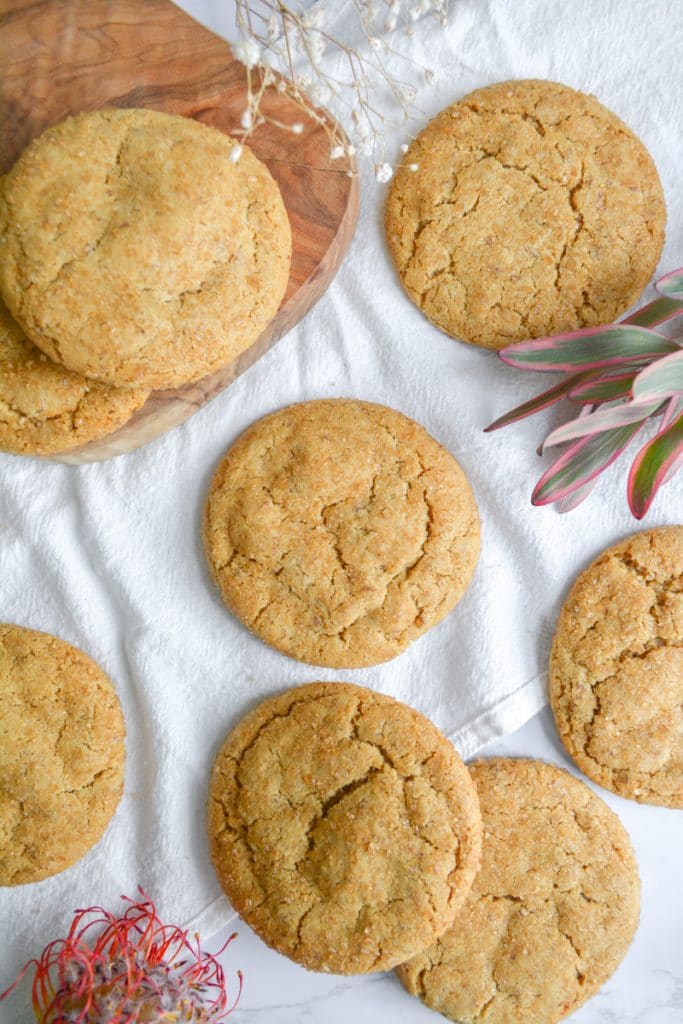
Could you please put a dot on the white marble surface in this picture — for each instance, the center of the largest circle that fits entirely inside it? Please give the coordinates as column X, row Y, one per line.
column 646, row 989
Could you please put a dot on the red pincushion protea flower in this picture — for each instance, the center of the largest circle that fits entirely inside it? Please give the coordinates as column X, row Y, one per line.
column 131, row 969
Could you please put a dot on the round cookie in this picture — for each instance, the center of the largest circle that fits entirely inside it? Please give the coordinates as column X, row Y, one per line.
column 550, row 915
column 343, row 827
column 339, row 531
column 44, row 408
column 134, row 250
column 534, row 210
column 62, row 754
column 616, row 668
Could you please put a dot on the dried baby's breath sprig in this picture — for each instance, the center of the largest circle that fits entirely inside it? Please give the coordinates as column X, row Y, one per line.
column 295, row 50
column 622, row 376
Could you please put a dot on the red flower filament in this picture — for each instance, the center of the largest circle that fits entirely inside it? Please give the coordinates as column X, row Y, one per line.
column 131, row 969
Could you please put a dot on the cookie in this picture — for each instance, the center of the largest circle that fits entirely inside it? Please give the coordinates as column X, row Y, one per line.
column 339, row 531
column 616, row 668
column 343, row 827
column 534, row 210
column 61, row 754
column 550, row 915
column 135, row 250
column 44, row 408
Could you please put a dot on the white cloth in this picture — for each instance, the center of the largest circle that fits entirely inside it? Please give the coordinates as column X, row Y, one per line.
column 109, row 556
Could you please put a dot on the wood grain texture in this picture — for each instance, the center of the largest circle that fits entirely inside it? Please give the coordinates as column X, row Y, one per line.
column 59, row 57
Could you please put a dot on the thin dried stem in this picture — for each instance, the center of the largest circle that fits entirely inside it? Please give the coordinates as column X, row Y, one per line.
column 288, row 43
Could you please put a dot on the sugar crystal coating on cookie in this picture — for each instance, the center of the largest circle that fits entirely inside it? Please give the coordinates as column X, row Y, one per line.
column 343, row 827
column 550, row 915
column 616, row 668
column 134, row 250
column 340, row 531
column 534, row 210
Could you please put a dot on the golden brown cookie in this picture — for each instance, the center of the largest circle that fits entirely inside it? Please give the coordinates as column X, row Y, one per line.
column 533, row 210
column 339, row 531
column 343, row 826
column 62, row 754
column 616, row 668
column 134, row 250
column 44, row 408
column 550, row 915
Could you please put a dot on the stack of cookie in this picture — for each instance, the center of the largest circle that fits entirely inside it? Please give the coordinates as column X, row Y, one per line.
column 136, row 252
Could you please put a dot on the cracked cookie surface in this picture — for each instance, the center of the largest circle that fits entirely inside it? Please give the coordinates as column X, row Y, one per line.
column 534, row 210
column 45, row 408
column 343, row 827
column 550, row 915
column 339, row 531
column 62, row 754
column 616, row 668
column 135, row 251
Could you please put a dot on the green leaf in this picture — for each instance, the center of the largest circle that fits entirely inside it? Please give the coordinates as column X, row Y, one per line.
column 656, row 312
column 671, row 285
column 660, row 379
column 542, row 401
column 652, row 465
column 581, row 463
column 597, row 390
column 589, row 348
column 609, row 418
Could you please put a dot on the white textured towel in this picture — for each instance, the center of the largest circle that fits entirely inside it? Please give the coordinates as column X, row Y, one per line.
column 109, row 556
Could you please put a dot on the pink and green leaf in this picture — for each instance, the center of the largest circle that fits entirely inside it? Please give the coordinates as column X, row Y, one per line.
column 661, row 379
column 671, row 285
column 596, row 390
column 573, row 500
column 590, row 348
column 652, row 466
column 542, row 401
column 610, row 418
column 656, row 312
column 581, row 463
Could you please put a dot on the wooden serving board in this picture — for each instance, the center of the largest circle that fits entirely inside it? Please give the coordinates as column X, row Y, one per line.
column 58, row 57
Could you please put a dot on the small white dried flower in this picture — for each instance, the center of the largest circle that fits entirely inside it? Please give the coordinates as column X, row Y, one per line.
column 319, row 93
column 247, row 51
column 350, row 150
column 297, row 128
column 383, row 173
column 374, row 42
column 360, row 124
column 336, row 153
column 404, row 147
column 247, row 121
column 407, row 93
column 315, row 18
column 413, row 167
column 274, row 27
column 235, row 154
